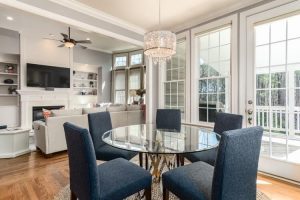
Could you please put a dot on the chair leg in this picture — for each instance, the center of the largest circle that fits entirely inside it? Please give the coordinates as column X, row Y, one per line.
column 73, row 196
column 177, row 160
column 181, row 160
column 141, row 159
column 148, row 193
column 165, row 194
column 146, row 161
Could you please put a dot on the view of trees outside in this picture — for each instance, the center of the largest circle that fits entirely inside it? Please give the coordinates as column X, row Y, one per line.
column 277, row 87
column 214, row 50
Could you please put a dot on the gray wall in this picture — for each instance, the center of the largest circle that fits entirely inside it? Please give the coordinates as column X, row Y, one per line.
column 103, row 60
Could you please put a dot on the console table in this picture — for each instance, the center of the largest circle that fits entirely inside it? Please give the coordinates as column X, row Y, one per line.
column 14, row 142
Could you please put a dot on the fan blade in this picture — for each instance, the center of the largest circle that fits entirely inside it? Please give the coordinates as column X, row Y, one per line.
column 53, row 39
column 83, row 47
column 65, row 36
column 62, row 45
column 84, row 41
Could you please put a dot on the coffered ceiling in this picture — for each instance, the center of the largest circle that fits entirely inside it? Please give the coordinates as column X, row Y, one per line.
column 144, row 13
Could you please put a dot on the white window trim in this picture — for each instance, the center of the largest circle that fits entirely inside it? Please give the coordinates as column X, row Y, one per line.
column 135, row 53
column 120, row 55
column 162, row 76
column 229, row 20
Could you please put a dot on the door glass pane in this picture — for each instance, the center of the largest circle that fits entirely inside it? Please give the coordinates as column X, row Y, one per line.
column 278, row 87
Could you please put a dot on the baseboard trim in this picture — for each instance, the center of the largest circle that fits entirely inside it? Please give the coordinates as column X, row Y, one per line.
column 280, row 178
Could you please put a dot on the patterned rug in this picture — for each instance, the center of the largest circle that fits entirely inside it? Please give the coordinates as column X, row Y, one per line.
column 64, row 194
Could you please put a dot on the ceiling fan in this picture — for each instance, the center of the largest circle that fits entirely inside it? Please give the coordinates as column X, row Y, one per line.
column 69, row 42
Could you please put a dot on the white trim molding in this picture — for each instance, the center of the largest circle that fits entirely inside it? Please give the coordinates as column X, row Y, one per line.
column 49, row 10
column 231, row 20
column 83, row 8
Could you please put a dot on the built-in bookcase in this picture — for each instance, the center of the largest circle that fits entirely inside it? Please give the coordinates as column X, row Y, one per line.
column 85, row 83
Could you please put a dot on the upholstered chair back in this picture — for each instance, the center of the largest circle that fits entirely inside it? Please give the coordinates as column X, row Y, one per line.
column 82, row 162
column 227, row 122
column 168, row 119
column 236, row 165
column 99, row 123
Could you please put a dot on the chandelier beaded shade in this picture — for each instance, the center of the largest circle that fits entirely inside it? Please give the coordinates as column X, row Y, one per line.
column 159, row 45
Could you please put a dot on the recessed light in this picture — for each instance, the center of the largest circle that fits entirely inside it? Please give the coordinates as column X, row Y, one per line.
column 51, row 35
column 9, row 18
column 88, row 39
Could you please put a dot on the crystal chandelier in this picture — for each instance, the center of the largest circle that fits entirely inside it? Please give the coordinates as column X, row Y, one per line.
column 159, row 45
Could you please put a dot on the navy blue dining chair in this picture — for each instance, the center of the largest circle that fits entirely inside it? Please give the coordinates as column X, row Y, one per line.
column 168, row 119
column 99, row 123
column 115, row 179
column 232, row 178
column 223, row 122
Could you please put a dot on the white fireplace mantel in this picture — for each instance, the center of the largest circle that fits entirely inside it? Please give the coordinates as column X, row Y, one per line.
column 32, row 98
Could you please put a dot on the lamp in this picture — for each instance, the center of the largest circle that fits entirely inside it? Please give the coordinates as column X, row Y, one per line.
column 69, row 44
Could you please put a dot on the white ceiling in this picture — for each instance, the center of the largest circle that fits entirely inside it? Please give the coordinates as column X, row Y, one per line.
column 45, row 27
column 144, row 13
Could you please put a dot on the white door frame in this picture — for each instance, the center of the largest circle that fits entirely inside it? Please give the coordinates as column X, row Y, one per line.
column 248, row 19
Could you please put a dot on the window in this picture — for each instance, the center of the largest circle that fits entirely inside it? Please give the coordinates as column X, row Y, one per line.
column 136, row 59
column 174, row 85
column 134, row 84
column 127, row 78
column 120, row 61
column 119, row 81
column 213, row 60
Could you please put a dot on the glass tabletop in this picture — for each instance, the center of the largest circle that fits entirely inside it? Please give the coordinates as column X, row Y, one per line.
column 146, row 138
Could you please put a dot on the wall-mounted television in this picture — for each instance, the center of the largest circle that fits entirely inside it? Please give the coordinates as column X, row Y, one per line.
column 47, row 76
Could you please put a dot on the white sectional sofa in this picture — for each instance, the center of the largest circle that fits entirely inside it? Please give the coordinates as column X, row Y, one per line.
column 50, row 136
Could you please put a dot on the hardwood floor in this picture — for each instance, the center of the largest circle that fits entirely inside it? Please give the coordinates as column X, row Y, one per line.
column 34, row 177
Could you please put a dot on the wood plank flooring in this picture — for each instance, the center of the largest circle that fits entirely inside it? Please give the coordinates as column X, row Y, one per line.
column 34, row 177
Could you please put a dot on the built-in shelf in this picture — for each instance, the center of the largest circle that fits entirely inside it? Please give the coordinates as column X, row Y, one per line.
column 8, row 95
column 80, row 79
column 10, row 74
column 4, row 84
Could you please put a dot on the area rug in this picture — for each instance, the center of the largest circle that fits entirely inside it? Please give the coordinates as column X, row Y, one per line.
column 64, row 194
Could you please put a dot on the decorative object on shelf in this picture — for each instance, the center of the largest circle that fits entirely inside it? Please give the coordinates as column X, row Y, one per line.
column 83, row 92
column 141, row 92
column 3, row 126
column 74, row 72
column 91, row 84
column 9, row 69
column 159, row 45
column 12, row 90
column 8, row 81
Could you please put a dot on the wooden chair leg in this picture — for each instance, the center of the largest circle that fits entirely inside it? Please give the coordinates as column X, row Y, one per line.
column 73, row 196
column 141, row 159
column 148, row 193
column 146, row 161
column 181, row 160
column 178, row 160
column 165, row 194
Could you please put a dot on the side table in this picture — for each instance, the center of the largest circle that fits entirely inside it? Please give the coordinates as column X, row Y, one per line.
column 14, row 142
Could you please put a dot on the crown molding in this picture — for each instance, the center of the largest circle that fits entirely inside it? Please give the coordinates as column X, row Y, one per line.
column 83, row 8
column 68, row 20
column 215, row 15
column 100, row 50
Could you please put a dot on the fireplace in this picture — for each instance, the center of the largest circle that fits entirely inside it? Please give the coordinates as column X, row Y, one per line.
column 37, row 111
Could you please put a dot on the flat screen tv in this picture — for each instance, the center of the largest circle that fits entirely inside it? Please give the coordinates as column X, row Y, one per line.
column 47, row 76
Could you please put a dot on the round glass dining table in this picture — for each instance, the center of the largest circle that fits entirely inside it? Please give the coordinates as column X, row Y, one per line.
column 162, row 146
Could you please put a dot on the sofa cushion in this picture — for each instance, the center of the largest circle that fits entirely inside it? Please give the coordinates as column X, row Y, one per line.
column 93, row 110
column 69, row 112
column 116, row 108
column 133, row 107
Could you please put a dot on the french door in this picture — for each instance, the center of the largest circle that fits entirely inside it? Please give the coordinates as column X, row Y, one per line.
column 273, row 89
